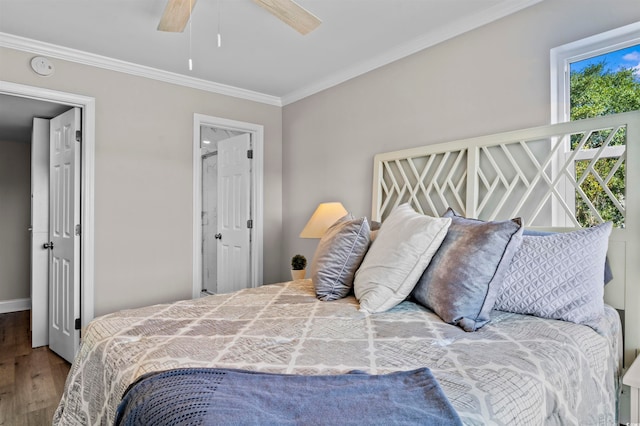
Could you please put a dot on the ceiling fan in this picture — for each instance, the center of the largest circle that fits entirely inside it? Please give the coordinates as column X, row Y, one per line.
column 177, row 12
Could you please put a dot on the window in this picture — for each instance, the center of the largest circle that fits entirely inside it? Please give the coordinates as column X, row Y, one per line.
column 581, row 53
column 596, row 76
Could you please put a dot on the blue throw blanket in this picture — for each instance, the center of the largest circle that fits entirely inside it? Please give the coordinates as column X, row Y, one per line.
column 208, row 396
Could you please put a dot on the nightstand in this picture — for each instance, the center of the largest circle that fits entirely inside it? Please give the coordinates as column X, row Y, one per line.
column 632, row 379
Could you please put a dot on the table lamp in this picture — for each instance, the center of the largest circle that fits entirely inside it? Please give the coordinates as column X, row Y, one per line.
column 325, row 215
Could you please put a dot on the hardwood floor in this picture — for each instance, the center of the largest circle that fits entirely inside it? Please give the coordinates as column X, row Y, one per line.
column 31, row 380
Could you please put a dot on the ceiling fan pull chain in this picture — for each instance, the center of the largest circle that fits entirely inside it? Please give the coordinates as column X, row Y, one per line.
column 219, row 36
column 190, row 33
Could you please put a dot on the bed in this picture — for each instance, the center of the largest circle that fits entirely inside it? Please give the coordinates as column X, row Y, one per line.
column 494, row 366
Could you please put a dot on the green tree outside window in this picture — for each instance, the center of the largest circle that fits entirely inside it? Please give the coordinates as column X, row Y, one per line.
column 596, row 91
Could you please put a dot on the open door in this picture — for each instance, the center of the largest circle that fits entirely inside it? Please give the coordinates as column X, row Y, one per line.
column 234, row 213
column 210, row 221
column 39, row 232
column 64, row 232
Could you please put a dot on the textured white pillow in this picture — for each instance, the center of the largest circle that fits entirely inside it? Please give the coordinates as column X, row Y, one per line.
column 403, row 248
column 558, row 276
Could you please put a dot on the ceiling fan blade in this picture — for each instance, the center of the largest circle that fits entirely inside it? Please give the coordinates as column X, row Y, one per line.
column 176, row 15
column 291, row 14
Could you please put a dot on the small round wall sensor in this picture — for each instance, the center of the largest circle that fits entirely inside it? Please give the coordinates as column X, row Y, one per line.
column 42, row 66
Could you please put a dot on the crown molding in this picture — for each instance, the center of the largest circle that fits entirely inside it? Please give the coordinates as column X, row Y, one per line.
column 500, row 10
column 51, row 50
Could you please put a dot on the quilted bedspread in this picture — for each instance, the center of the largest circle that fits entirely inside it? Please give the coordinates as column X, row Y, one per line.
column 515, row 370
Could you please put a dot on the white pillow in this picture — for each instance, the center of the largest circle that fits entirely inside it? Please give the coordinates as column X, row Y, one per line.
column 403, row 248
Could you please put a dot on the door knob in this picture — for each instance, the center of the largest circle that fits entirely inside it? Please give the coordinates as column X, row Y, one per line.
column 48, row 245
column 218, row 236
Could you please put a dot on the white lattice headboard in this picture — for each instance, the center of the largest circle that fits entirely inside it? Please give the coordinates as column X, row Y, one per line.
column 545, row 175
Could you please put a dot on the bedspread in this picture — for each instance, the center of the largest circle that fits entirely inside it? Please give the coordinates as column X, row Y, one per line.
column 516, row 370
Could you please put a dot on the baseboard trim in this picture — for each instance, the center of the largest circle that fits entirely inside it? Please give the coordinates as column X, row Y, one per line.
column 14, row 305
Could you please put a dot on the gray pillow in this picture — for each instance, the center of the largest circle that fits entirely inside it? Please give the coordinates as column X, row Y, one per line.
column 338, row 256
column 558, row 276
column 463, row 279
column 375, row 227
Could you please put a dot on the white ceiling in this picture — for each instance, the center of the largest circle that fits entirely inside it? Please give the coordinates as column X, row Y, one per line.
column 261, row 58
column 259, row 53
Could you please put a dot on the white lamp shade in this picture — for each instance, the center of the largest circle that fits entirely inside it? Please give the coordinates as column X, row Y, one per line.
column 325, row 215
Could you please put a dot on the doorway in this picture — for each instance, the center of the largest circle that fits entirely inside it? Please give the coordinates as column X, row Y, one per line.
column 86, row 254
column 216, row 141
column 211, row 235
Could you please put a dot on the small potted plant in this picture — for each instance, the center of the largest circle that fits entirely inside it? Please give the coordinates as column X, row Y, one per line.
column 298, row 265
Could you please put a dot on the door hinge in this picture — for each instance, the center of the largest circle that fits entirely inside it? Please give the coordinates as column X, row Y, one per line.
column 78, row 229
column 250, row 154
column 250, row 224
column 77, row 324
column 78, row 136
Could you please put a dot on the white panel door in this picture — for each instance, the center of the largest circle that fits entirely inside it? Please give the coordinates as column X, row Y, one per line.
column 210, row 222
column 64, row 268
column 39, row 232
column 234, row 211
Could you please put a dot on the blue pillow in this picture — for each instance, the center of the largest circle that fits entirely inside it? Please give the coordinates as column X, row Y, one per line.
column 464, row 277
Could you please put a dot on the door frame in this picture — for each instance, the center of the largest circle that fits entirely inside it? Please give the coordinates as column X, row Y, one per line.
column 257, row 172
column 87, row 165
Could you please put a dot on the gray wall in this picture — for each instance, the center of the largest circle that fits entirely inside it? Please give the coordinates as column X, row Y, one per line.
column 143, row 177
column 492, row 79
column 318, row 149
column 15, row 217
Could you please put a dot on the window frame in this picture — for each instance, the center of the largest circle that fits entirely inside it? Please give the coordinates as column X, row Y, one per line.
column 563, row 56
column 561, row 59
